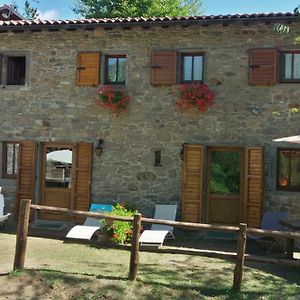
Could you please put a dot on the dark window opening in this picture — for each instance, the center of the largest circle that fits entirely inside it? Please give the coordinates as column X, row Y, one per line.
column 192, row 68
column 157, row 158
column 115, row 69
column 16, row 70
column 288, row 170
column 10, row 156
column 290, row 71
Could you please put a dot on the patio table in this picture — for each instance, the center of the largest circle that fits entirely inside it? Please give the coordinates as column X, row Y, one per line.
column 294, row 225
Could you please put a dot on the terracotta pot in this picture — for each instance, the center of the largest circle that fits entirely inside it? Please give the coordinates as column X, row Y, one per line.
column 283, row 181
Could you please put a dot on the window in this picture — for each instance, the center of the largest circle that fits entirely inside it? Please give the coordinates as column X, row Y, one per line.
column 94, row 68
column 288, row 170
column 265, row 67
column 10, row 154
column 13, row 70
column 192, row 68
column 115, row 69
column 290, row 66
column 170, row 67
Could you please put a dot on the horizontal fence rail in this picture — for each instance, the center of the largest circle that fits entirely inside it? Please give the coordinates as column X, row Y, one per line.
column 242, row 232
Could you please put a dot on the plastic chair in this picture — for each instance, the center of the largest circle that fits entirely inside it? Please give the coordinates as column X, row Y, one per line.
column 91, row 225
column 157, row 234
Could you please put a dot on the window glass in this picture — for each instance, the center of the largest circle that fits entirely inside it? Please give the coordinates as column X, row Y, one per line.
column 10, row 159
column 296, row 66
column 58, row 167
column 122, row 69
column 112, row 69
column 187, row 68
column 198, row 64
column 288, row 58
column 288, row 177
column 225, row 173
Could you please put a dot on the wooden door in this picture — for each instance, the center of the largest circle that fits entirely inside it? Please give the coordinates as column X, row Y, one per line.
column 225, row 185
column 56, row 179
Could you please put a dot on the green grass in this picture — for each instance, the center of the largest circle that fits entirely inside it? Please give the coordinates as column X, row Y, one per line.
column 87, row 272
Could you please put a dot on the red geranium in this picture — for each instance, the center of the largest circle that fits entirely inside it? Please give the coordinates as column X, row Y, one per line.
column 115, row 100
column 191, row 96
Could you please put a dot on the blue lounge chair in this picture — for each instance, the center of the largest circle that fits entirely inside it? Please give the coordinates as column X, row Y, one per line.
column 91, row 225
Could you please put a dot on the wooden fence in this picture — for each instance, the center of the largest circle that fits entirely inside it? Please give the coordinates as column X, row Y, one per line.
column 242, row 230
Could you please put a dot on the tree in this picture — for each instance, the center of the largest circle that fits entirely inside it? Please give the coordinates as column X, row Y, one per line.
column 30, row 12
column 280, row 28
column 136, row 8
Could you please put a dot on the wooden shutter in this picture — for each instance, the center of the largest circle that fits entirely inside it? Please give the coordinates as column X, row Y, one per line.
column 1, row 62
column 164, row 67
column 254, row 185
column 192, row 183
column 82, row 177
column 88, row 68
column 26, row 173
column 263, row 66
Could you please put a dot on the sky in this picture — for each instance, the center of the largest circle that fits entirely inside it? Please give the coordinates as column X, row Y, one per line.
column 62, row 9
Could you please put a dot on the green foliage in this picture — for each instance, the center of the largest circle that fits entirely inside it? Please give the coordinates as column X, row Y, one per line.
column 29, row 11
column 136, row 8
column 284, row 29
column 225, row 173
column 120, row 231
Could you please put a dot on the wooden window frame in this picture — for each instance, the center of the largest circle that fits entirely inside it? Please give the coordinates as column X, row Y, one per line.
column 287, row 188
column 106, row 81
column 5, row 60
column 192, row 54
column 282, row 66
column 4, row 161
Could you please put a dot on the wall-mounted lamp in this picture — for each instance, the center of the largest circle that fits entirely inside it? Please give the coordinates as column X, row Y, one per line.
column 99, row 148
column 181, row 154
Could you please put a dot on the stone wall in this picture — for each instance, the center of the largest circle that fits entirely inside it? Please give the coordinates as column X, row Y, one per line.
column 52, row 108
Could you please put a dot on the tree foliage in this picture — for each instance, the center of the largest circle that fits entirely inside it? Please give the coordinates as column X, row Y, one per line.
column 284, row 29
column 30, row 12
column 136, row 8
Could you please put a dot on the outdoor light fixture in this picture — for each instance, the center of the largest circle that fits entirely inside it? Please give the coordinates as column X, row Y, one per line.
column 181, row 154
column 99, row 148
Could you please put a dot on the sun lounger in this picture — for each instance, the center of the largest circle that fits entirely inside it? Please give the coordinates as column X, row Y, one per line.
column 157, row 234
column 3, row 217
column 91, row 225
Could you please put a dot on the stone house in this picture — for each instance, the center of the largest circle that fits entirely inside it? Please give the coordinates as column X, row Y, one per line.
column 60, row 149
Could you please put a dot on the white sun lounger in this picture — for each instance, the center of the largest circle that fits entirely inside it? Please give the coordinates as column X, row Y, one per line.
column 3, row 217
column 157, row 234
column 91, row 225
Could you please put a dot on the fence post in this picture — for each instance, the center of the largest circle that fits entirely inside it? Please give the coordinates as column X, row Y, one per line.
column 135, row 245
column 240, row 257
column 21, row 241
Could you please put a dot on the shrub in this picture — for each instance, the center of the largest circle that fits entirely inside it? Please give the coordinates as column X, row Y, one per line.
column 120, row 231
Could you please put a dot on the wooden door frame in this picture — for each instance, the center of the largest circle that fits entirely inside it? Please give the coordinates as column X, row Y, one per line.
column 44, row 146
column 242, row 203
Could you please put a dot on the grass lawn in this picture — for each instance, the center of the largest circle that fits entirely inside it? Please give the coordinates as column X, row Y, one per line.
column 58, row 270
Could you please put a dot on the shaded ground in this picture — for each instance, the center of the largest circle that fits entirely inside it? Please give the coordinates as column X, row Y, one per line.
column 59, row 270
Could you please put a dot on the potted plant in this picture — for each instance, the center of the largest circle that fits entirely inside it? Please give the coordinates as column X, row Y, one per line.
column 113, row 99
column 196, row 96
